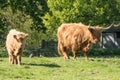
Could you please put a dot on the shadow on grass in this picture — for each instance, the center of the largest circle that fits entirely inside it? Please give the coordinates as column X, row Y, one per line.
column 46, row 65
column 1, row 60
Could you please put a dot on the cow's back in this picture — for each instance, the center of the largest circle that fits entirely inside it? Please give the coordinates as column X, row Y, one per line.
column 72, row 34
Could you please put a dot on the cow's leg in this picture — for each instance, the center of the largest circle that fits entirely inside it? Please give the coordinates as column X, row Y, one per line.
column 86, row 56
column 66, row 55
column 19, row 59
column 64, row 51
column 86, row 51
column 74, row 51
column 74, row 54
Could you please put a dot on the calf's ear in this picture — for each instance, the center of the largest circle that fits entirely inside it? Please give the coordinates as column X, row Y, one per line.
column 15, row 36
column 26, row 35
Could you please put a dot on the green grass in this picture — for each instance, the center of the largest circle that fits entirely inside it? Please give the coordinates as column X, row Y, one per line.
column 56, row 68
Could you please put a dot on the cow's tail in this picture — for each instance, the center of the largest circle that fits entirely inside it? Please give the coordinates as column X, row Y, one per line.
column 59, row 50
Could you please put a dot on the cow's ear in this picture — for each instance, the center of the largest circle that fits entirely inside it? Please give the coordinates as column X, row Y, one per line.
column 91, row 30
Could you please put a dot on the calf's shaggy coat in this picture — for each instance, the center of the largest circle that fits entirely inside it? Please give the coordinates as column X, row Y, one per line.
column 15, row 42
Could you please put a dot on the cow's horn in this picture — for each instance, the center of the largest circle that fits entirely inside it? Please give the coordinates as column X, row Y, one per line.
column 116, row 25
column 107, row 27
column 91, row 27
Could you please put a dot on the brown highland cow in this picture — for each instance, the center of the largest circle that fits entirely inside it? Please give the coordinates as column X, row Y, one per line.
column 77, row 37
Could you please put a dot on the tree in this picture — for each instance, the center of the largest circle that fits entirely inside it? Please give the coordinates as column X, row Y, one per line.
column 34, row 8
column 93, row 12
column 3, row 27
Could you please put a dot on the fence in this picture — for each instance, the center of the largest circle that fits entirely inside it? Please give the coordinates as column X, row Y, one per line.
column 48, row 48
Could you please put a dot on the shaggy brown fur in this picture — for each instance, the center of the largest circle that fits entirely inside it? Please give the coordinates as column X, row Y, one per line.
column 15, row 43
column 77, row 37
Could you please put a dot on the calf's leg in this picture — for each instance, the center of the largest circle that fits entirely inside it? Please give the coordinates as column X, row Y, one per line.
column 15, row 60
column 12, row 59
column 19, row 59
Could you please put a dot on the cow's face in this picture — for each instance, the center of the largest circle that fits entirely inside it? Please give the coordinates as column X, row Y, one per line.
column 96, row 34
column 20, row 37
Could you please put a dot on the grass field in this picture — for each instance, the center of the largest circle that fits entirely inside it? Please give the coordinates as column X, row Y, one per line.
column 56, row 68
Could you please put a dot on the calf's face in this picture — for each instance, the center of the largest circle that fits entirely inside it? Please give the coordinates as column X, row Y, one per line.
column 20, row 37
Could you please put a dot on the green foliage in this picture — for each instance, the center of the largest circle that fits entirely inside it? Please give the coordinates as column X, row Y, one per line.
column 34, row 8
column 3, row 52
column 3, row 28
column 94, row 12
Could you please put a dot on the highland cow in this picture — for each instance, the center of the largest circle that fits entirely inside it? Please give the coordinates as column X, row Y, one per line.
column 77, row 37
column 15, row 43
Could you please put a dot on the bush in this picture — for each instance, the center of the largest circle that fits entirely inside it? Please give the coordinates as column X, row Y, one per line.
column 3, row 52
column 104, row 52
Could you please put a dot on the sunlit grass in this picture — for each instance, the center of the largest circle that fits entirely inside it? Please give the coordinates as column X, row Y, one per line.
column 56, row 68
